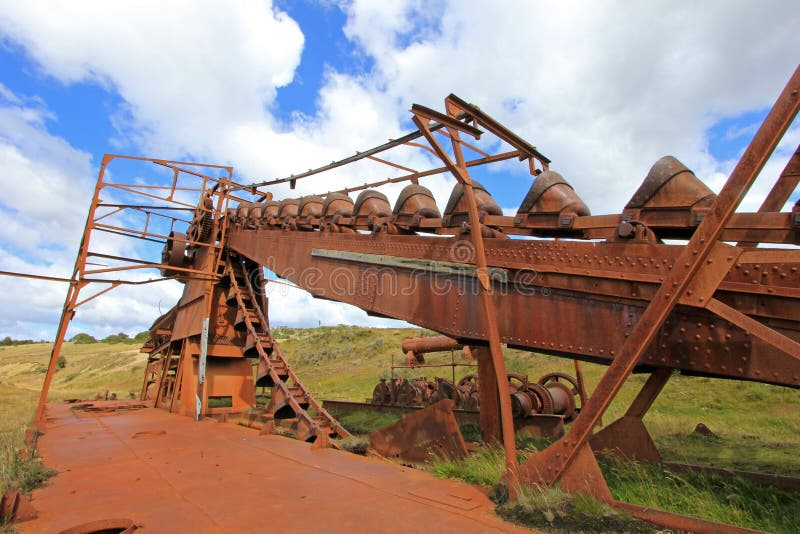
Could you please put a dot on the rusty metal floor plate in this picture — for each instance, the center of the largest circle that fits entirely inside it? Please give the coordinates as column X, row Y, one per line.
column 170, row 474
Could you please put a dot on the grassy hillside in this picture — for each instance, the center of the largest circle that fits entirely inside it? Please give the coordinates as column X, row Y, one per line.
column 89, row 369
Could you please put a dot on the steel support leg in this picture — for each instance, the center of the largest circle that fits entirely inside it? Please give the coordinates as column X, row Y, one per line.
column 781, row 191
column 460, row 172
column 491, row 430
column 627, row 436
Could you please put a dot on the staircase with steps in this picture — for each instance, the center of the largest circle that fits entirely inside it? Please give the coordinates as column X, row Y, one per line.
column 290, row 399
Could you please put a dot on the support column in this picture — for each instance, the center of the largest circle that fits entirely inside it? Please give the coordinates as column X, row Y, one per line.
column 781, row 191
column 460, row 172
column 491, row 426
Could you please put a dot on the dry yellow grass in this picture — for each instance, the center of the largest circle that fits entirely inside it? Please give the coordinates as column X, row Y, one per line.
column 90, row 369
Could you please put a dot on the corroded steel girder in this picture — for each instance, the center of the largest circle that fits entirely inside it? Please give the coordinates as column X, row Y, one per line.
column 553, row 297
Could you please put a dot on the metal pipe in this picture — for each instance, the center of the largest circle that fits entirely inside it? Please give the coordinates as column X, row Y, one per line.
column 430, row 344
column 358, row 156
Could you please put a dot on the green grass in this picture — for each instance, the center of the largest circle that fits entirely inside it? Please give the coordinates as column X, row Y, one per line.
column 758, row 425
column 18, row 473
column 89, row 370
column 360, row 423
column 355, row 444
column 555, row 511
column 483, row 467
column 726, row 499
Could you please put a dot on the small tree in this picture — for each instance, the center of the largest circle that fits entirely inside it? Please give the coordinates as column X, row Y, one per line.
column 82, row 338
column 142, row 337
column 121, row 337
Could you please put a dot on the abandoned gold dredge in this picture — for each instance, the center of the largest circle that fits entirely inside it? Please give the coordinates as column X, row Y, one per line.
column 678, row 282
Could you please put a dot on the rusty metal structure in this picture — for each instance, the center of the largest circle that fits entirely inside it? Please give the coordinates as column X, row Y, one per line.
column 422, row 435
column 677, row 282
column 541, row 406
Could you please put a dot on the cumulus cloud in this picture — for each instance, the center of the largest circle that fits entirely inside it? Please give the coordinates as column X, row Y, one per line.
column 47, row 186
column 603, row 88
column 298, row 308
column 184, row 68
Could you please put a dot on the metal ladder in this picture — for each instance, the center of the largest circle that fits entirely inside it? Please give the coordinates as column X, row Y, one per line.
column 290, row 398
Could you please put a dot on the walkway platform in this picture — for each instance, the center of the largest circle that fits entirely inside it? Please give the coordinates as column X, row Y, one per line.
column 169, row 473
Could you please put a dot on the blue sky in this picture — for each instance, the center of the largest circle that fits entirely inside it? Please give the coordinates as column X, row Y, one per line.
column 278, row 88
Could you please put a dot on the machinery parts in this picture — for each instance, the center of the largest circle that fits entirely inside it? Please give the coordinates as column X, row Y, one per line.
column 552, row 201
column 572, row 395
column 553, row 394
column 415, row 349
column 16, row 508
column 174, row 254
column 432, row 432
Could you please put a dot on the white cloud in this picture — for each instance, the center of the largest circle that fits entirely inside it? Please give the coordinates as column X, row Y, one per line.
column 47, row 186
column 603, row 88
column 185, row 68
column 45, row 180
column 298, row 308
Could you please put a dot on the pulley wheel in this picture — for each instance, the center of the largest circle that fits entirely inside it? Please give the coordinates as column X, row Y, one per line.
column 567, row 380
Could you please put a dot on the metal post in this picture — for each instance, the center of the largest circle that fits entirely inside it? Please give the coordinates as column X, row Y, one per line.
column 72, row 294
column 627, row 435
column 459, row 171
column 781, row 191
column 201, row 370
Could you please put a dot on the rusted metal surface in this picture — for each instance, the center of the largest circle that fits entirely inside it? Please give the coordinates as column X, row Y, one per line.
column 428, row 433
column 776, row 481
column 627, row 436
column 541, row 425
column 289, row 398
column 737, row 315
column 541, row 407
column 215, row 477
column 430, row 344
column 781, row 191
column 551, row 466
column 611, row 290
column 681, row 523
column 459, row 170
column 158, row 208
column 116, row 526
column 16, row 508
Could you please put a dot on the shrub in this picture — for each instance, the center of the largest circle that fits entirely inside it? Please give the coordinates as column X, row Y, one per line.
column 18, row 474
column 355, row 444
column 142, row 337
column 122, row 337
column 82, row 338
